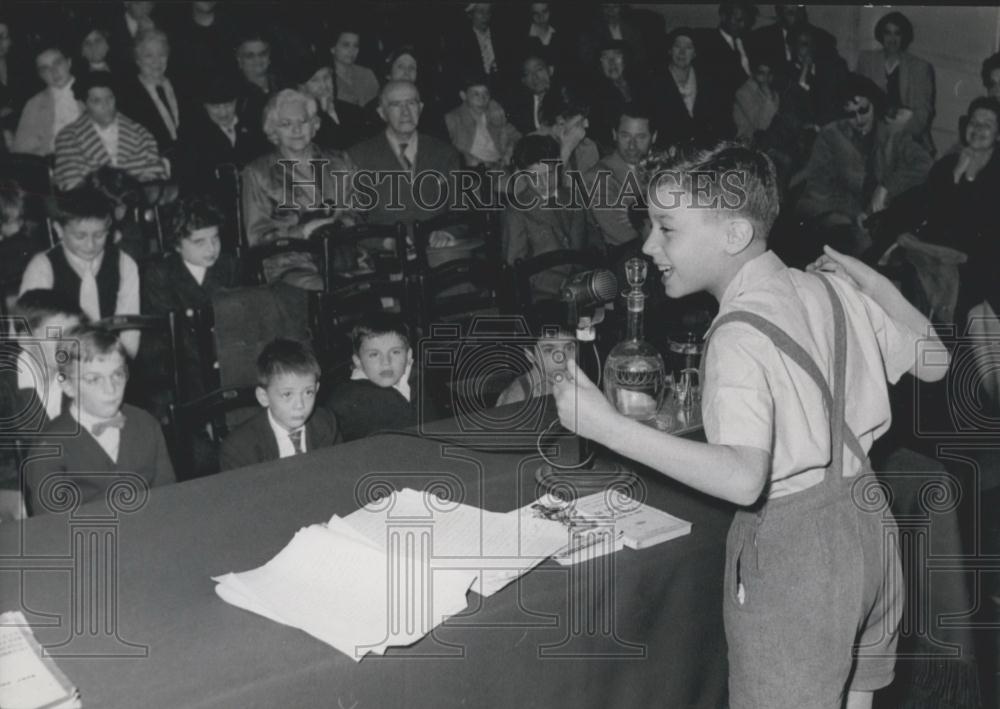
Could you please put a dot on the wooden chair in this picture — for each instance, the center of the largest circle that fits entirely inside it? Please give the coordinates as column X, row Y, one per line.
column 199, row 426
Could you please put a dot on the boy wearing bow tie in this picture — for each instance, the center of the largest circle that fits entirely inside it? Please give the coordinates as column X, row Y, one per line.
column 99, row 441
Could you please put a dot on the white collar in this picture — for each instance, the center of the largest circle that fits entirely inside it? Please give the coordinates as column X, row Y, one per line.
column 281, row 431
column 83, row 418
column 402, row 386
column 197, row 271
column 756, row 269
column 730, row 40
column 67, row 89
column 81, row 266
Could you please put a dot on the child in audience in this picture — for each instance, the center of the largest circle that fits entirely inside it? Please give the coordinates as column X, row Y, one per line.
column 18, row 241
column 289, row 424
column 186, row 279
column 99, row 439
column 30, row 393
column 794, row 394
column 556, row 345
column 381, row 394
column 85, row 264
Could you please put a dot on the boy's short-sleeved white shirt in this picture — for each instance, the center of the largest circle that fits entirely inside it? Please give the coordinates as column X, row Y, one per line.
column 753, row 395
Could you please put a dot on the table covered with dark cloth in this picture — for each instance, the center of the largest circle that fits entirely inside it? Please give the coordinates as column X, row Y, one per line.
column 126, row 604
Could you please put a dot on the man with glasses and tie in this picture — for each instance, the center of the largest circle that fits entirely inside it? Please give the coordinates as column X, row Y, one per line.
column 411, row 170
column 288, row 424
column 102, row 443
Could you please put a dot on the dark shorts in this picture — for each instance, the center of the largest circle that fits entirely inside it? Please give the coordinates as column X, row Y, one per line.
column 821, row 598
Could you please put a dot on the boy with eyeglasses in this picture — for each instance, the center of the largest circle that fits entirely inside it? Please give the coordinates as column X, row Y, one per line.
column 101, row 442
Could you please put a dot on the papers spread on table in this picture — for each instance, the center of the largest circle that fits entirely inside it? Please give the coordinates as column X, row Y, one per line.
column 29, row 679
column 392, row 571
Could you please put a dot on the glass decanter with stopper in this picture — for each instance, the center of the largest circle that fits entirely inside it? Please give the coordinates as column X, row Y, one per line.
column 634, row 373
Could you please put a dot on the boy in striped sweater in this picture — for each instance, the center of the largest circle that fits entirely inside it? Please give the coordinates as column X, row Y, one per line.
column 103, row 136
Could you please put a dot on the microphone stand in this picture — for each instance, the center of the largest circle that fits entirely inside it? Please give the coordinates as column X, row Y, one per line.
column 593, row 472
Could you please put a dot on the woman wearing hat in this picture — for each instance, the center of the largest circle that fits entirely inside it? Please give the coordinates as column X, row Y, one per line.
column 341, row 124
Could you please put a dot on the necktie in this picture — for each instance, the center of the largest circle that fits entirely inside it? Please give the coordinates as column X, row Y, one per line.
column 116, row 421
column 90, row 302
column 296, row 438
column 402, row 157
column 162, row 93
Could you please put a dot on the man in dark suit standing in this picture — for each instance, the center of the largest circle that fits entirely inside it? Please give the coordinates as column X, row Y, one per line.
column 722, row 54
column 401, row 148
column 524, row 104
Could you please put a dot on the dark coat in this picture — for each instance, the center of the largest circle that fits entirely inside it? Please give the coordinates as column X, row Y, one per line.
column 254, row 442
column 142, row 451
column 363, row 408
column 713, row 112
column 135, row 102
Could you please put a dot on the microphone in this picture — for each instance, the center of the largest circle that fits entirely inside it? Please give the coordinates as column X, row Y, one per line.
column 589, row 289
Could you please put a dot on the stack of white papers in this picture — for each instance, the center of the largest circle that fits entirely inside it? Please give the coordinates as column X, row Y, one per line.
column 389, row 573
column 29, row 679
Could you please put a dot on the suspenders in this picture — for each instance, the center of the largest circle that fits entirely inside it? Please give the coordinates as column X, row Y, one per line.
column 835, row 400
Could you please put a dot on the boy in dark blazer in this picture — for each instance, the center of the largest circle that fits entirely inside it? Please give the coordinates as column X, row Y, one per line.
column 381, row 394
column 101, row 443
column 287, row 383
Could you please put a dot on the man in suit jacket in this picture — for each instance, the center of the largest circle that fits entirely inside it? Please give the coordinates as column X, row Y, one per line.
column 289, row 424
column 772, row 45
column 613, row 24
column 401, row 148
column 476, row 45
column 151, row 98
column 721, row 52
column 524, row 104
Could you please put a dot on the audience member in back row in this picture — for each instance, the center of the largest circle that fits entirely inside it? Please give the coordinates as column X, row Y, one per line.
column 403, row 64
column 907, row 80
column 857, row 167
column 341, row 124
column 217, row 136
column 402, row 147
column 355, row 83
column 479, row 128
column 524, row 104
column 544, row 215
column 185, row 280
column 688, row 104
column 103, row 136
column 151, row 98
column 51, row 109
column 93, row 47
column 253, row 59
column 618, row 82
column 564, row 115
column 991, row 75
column 290, row 123
column 721, row 51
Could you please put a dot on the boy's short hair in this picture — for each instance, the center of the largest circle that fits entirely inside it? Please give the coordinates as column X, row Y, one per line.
column 533, row 149
column 190, row 214
column 11, row 198
column 733, row 172
column 35, row 306
column 637, row 110
column 80, row 203
column 380, row 323
column 94, row 342
column 284, row 356
column 474, row 78
column 99, row 79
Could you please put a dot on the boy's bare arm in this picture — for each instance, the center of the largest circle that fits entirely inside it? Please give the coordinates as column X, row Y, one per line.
column 733, row 473
column 928, row 367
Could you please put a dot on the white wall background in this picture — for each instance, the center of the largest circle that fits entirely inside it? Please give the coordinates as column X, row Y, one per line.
column 954, row 39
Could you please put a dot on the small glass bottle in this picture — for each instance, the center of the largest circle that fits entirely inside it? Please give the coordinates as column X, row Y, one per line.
column 634, row 373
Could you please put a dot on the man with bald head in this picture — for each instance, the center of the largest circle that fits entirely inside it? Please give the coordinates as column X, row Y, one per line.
column 402, row 148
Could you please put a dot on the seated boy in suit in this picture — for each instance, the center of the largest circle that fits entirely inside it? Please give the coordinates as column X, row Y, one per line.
column 287, row 383
column 30, row 394
column 381, row 394
column 99, row 440
column 85, row 265
column 555, row 346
